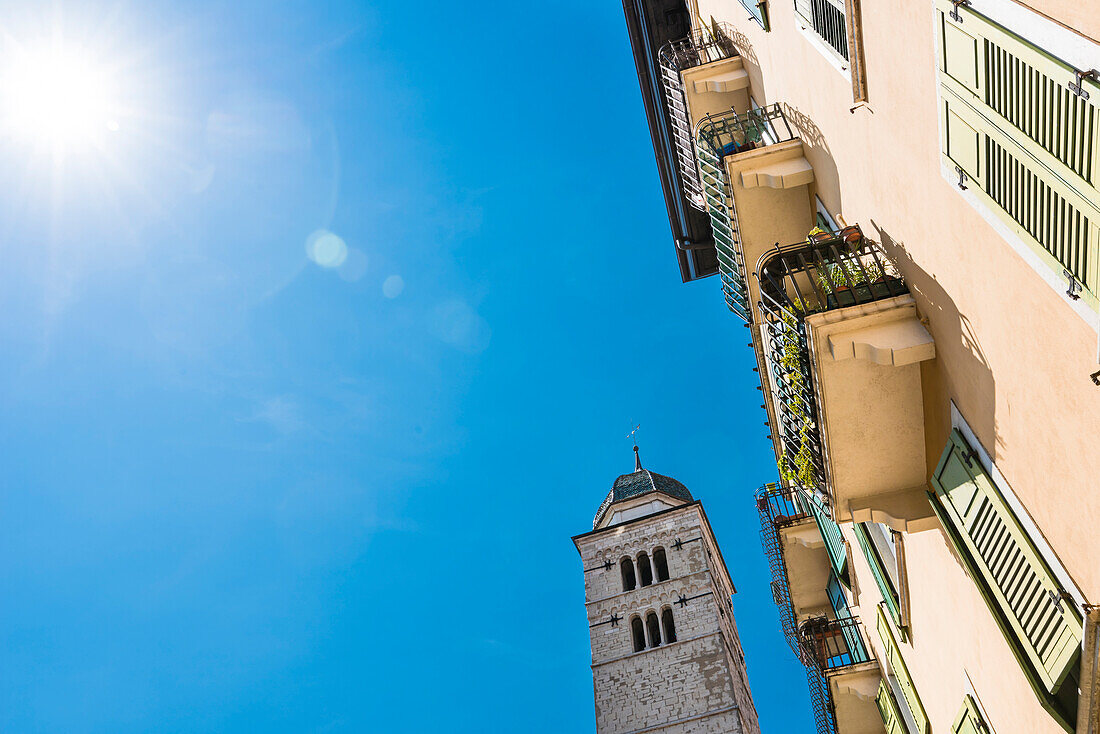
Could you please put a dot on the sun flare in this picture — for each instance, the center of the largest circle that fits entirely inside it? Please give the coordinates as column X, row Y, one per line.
column 57, row 95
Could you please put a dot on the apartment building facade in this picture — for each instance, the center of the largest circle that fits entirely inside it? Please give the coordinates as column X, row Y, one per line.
column 903, row 209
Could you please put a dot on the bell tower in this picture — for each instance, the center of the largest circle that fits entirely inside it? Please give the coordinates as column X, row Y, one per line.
column 665, row 652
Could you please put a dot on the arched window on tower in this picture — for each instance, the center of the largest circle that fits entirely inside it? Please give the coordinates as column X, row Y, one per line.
column 653, row 627
column 638, row 632
column 627, row 567
column 661, row 563
column 669, row 625
column 645, row 571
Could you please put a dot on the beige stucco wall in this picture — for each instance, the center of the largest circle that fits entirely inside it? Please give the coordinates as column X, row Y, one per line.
column 1010, row 352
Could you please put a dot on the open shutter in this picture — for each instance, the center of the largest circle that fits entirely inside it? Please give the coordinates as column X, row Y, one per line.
column 901, row 672
column 1029, row 145
column 969, row 720
column 888, row 709
column 1046, row 628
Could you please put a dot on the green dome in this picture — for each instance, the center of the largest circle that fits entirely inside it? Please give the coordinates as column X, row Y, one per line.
column 639, row 482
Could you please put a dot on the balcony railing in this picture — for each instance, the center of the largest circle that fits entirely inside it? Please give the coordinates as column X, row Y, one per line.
column 779, row 506
column 782, row 506
column 833, row 643
column 829, row 271
column 719, row 136
column 700, row 48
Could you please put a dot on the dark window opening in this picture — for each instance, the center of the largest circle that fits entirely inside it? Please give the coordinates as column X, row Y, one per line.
column 661, row 563
column 654, row 629
column 627, row 567
column 639, row 634
column 644, row 569
column 669, row 625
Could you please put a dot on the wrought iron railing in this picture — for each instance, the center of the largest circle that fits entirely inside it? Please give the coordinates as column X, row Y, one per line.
column 782, row 506
column 827, row 19
column 828, row 271
column 718, row 136
column 710, row 43
column 704, row 46
column 833, row 643
column 779, row 506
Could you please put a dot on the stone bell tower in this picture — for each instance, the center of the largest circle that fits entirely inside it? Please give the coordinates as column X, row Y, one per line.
column 665, row 652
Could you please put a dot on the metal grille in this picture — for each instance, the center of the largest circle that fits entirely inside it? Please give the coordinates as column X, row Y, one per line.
column 784, row 505
column 828, row 22
column 1053, row 222
column 675, row 56
column 828, row 272
column 1041, row 108
column 834, row 643
column 718, row 136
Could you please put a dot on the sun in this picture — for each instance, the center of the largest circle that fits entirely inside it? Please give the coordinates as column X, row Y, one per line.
column 57, row 95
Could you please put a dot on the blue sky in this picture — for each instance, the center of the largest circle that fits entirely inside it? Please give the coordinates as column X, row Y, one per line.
column 310, row 369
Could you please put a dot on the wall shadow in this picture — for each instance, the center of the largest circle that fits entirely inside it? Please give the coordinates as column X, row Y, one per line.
column 970, row 379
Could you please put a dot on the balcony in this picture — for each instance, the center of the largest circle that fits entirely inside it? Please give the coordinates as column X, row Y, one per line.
column 843, row 345
column 701, row 73
column 804, row 550
column 837, row 648
column 755, row 180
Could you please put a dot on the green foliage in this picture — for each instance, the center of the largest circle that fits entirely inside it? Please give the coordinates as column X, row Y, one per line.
column 799, row 467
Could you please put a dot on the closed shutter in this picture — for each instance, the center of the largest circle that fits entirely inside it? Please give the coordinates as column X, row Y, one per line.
column 1028, row 144
column 888, row 710
column 969, row 720
column 882, row 579
column 1046, row 628
column 830, row 533
column 901, row 672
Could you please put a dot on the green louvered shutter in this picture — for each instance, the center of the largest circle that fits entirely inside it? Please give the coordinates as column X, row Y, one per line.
column 901, row 672
column 830, row 533
column 1046, row 628
column 888, row 710
column 1029, row 146
column 882, row 578
column 969, row 720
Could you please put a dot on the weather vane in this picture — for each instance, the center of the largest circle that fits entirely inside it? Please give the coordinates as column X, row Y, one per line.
column 632, row 435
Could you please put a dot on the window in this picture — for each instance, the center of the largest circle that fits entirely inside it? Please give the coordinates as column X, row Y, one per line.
column 882, row 547
column 898, row 675
column 969, row 720
column 888, row 709
column 661, row 563
column 826, row 19
column 645, row 571
column 1035, row 612
column 1020, row 141
column 653, row 627
column 758, row 11
column 638, row 633
column 627, row 567
column 669, row 625
column 824, row 219
column 841, row 610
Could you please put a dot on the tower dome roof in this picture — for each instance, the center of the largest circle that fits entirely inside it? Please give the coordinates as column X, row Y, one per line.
column 640, row 481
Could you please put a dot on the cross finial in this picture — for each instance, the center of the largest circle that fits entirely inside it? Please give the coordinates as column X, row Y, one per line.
column 633, row 437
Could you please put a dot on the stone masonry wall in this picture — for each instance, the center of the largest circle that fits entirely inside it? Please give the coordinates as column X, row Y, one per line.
column 700, row 677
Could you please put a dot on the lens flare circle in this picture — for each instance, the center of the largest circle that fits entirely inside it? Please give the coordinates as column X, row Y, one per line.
column 326, row 249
